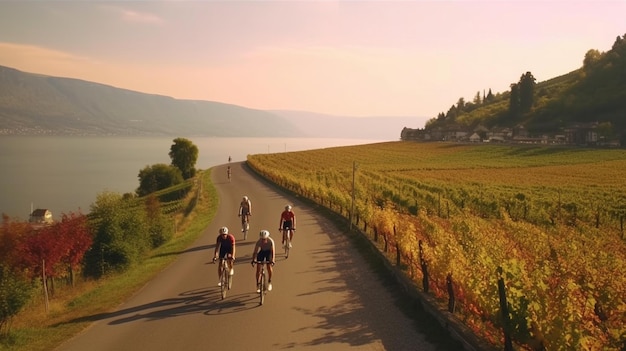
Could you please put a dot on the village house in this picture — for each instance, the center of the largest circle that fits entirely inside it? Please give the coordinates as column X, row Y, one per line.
column 576, row 134
column 41, row 216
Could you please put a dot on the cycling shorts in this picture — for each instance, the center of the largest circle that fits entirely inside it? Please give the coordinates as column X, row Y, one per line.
column 226, row 251
column 287, row 225
column 264, row 255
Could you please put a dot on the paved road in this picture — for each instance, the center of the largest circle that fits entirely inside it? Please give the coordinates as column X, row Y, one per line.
column 324, row 296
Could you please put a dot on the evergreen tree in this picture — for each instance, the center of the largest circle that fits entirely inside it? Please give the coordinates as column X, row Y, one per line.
column 526, row 92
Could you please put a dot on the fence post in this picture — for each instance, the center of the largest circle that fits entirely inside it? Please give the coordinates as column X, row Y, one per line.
column 451, row 297
column 395, row 235
column 424, row 265
column 504, row 309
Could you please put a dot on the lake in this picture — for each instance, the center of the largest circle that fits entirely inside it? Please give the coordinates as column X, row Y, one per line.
column 65, row 174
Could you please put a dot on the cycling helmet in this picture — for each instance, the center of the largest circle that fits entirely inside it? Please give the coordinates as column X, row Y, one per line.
column 264, row 234
column 288, row 207
column 245, row 198
column 223, row 230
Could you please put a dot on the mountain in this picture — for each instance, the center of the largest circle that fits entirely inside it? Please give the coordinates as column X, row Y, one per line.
column 39, row 104
column 35, row 104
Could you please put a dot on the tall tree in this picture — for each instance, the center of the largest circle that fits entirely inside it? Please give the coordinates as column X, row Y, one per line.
column 526, row 92
column 184, row 155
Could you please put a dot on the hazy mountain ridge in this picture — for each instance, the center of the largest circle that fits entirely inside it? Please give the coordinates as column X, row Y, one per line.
column 35, row 104
column 38, row 104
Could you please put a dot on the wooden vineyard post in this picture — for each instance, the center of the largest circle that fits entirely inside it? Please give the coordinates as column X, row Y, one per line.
column 504, row 310
column 451, row 297
column 424, row 266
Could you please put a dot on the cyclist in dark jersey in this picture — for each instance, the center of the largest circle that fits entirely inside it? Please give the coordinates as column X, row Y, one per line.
column 225, row 246
column 264, row 251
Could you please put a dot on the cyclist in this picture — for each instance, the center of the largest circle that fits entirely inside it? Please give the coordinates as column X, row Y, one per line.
column 287, row 224
column 264, row 251
column 225, row 245
column 229, row 173
column 245, row 210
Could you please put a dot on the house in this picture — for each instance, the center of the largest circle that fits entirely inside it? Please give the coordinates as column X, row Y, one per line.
column 475, row 138
column 41, row 216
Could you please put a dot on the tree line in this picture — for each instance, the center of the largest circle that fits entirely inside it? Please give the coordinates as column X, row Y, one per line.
column 594, row 93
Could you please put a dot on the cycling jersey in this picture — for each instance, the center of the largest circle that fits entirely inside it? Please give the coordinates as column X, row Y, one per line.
column 245, row 207
column 226, row 244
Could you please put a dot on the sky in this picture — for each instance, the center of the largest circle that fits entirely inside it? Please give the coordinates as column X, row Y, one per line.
column 344, row 58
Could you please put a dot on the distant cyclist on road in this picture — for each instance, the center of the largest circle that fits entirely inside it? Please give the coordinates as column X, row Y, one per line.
column 287, row 224
column 225, row 245
column 264, row 251
column 245, row 210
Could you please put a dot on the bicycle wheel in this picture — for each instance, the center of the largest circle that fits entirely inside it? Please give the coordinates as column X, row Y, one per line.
column 287, row 242
column 263, row 287
column 223, row 280
column 230, row 279
column 244, row 228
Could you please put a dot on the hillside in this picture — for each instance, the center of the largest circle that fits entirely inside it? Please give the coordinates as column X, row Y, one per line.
column 594, row 95
column 38, row 104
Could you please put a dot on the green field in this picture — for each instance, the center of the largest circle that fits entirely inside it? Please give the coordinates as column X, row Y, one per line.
column 551, row 218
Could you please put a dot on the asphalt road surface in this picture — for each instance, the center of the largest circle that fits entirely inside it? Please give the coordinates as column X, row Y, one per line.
column 325, row 297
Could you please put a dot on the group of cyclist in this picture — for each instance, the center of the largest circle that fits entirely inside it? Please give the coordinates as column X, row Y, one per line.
column 264, row 249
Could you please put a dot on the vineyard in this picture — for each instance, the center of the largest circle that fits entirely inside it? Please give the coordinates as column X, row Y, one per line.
column 546, row 221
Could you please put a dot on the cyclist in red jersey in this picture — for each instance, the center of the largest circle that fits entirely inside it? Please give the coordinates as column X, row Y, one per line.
column 225, row 245
column 287, row 222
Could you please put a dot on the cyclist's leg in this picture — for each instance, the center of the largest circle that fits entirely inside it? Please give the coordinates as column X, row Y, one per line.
column 219, row 268
column 230, row 265
column 269, row 276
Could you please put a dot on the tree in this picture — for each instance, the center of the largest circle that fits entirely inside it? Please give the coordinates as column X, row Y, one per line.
column 15, row 292
column 184, row 155
column 160, row 227
column 477, row 99
column 592, row 57
column 120, row 234
column 156, row 177
column 489, row 97
column 526, row 92
column 75, row 236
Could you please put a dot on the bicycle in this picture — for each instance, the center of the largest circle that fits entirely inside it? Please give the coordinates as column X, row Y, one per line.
column 245, row 226
column 287, row 239
column 226, row 280
column 263, row 283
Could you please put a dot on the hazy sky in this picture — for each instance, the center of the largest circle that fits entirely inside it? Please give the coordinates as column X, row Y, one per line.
column 350, row 58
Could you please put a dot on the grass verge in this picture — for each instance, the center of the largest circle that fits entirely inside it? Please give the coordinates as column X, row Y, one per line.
column 72, row 311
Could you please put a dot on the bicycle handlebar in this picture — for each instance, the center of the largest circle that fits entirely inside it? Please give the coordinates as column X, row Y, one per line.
column 223, row 259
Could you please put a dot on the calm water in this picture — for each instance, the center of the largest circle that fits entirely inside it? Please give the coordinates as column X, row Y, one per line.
column 65, row 174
